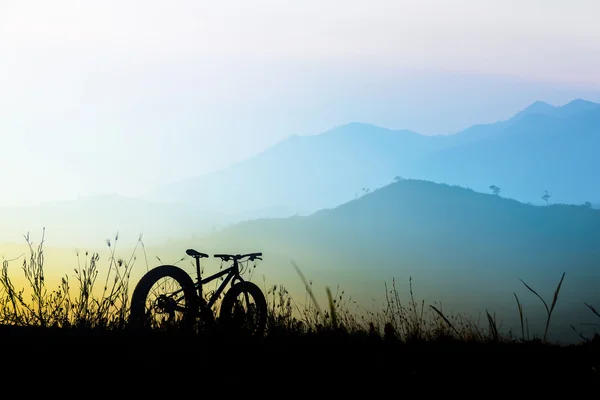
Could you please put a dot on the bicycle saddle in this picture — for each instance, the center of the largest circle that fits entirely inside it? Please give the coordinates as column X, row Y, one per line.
column 194, row 253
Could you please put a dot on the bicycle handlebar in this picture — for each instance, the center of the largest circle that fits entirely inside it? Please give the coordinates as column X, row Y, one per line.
column 227, row 257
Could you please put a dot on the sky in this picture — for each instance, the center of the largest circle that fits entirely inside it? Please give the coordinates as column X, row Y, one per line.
column 120, row 96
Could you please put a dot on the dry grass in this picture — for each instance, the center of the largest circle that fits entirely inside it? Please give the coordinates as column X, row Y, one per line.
column 84, row 305
column 95, row 302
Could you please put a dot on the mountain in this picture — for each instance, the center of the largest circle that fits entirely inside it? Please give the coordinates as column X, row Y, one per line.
column 555, row 152
column 574, row 107
column 538, row 108
column 487, row 131
column 464, row 248
column 307, row 173
column 568, row 110
column 543, row 147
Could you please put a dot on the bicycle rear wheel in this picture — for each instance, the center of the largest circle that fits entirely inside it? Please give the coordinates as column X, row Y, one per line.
column 244, row 309
column 175, row 308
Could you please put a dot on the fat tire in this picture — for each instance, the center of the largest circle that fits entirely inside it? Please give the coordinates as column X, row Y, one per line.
column 228, row 303
column 140, row 293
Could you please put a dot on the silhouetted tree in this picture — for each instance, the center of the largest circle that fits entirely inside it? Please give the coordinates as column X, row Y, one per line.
column 546, row 196
column 364, row 190
column 495, row 189
column 397, row 179
column 588, row 204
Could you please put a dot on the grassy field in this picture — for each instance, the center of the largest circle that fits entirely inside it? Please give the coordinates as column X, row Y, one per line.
column 85, row 322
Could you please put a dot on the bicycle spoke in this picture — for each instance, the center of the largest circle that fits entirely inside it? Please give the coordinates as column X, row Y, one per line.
column 167, row 307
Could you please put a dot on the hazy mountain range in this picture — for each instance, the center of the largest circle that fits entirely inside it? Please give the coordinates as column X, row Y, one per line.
column 543, row 147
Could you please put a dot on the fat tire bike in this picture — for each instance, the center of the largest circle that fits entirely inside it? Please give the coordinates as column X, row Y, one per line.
column 182, row 304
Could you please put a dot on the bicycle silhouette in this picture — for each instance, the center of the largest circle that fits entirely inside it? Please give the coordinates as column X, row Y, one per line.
column 183, row 306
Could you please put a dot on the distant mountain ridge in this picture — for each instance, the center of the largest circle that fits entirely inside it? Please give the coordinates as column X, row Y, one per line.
column 307, row 173
column 573, row 107
column 538, row 108
column 556, row 152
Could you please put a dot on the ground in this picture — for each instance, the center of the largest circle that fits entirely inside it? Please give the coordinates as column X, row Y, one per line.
column 340, row 359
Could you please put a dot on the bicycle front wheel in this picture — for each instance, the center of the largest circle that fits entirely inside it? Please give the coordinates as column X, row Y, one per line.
column 165, row 298
column 244, row 309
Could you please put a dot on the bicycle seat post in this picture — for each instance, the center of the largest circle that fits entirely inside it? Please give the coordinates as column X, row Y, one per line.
column 199, row 277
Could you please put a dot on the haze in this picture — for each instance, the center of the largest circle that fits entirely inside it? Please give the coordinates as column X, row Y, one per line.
column 454, row 142
column 123, row 96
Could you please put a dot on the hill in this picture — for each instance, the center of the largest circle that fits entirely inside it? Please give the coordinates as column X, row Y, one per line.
column 463, row 248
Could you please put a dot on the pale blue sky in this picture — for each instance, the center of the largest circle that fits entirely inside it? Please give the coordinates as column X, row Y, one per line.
column 117, row 96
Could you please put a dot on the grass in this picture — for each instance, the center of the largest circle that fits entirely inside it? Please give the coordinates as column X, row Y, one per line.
column 88, row 305
column 94, row 304
column 65, row 306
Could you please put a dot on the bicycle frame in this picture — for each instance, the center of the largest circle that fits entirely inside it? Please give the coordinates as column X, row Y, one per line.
column 233, row 274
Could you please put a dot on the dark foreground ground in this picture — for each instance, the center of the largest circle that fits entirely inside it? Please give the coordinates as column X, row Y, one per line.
column 348, row 362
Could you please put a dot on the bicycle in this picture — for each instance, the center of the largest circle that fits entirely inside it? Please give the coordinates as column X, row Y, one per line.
column 195, row 306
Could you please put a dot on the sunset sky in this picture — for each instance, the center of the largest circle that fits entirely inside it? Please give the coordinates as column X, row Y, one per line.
column 120, row 96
